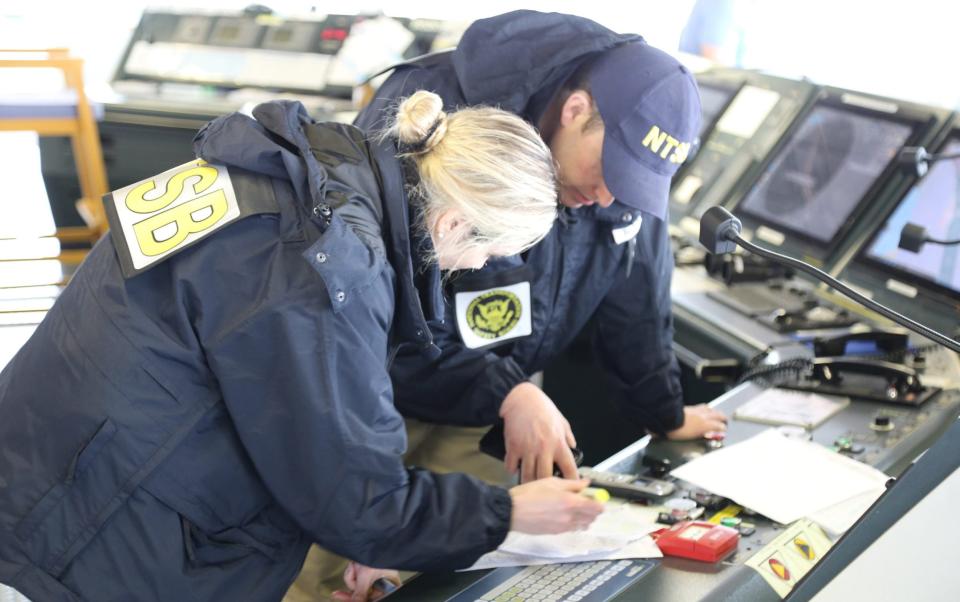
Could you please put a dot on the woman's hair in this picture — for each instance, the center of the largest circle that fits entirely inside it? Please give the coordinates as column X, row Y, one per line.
column 488, row 164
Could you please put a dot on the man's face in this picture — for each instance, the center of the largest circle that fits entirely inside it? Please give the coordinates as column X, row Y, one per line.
column 577, row 152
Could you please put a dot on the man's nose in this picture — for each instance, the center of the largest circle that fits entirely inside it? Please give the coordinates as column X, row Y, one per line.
column 603, row 196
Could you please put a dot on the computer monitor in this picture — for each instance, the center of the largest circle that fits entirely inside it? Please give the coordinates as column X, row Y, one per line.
column 192, row 29
column 934, row 204
column 715, row 96
column 713, row 99
column 825, row 172
column 741, row 136
column 242, row 32
column 233, row 50
column 909, row 532
column 291, row 36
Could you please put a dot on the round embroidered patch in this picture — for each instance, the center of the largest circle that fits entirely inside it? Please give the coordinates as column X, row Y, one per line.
column 494, row 313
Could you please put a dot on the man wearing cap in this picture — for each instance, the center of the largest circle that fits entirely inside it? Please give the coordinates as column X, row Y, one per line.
column 619, row 116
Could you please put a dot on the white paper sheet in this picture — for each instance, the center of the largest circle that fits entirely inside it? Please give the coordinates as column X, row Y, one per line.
column 783, row 479
column 621, row 531
column 783, row 406
column 644, row 547
column 836, row 519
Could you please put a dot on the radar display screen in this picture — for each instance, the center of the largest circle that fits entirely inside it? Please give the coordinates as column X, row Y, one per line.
column 824, row 170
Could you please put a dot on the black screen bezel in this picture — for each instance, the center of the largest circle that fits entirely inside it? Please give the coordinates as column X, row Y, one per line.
column 918, row 281
column 917, row 119
column 731, row 90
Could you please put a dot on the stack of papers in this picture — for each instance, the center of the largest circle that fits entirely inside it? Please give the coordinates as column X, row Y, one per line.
column 621, row 531
column 797, row 408
column 836, row 519
column 788, row 479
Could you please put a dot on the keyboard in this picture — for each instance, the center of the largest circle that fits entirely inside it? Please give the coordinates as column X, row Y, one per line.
column 596, row 581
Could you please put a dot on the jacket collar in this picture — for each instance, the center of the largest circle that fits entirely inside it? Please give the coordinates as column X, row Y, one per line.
column 275, row 145
column 617, row 214
column 415, row 305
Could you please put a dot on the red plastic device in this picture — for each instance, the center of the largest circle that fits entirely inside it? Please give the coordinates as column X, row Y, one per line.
column 698, row 540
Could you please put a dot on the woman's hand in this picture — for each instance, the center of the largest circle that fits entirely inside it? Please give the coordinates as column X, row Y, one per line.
column 360, row 581
column 552, row 505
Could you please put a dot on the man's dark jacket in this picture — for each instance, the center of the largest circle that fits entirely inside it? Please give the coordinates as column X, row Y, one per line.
column 186, row 433
column 517, row 61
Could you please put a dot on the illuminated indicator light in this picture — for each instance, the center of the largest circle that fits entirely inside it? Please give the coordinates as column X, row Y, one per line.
column 777, row 567
column 334, row 34
column 730, row 521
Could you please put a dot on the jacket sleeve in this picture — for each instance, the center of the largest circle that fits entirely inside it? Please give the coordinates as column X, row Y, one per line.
column 302, row 371
column 461, row 386
column 635, row 333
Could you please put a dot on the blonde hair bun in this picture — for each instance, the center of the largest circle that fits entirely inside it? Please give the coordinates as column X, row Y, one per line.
column 489, row 166
column 421, row 122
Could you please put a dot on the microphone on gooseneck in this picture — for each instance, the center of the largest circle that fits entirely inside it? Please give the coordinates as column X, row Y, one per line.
column 913, row 236
column 920, row 159
column 720, row 233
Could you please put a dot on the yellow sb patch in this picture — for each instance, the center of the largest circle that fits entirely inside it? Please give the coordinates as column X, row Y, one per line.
column 493, row 315
column 156, row 218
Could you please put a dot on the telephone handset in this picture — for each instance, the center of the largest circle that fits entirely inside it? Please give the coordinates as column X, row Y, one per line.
column 887, row 341
column 864, row 378
column 738, row 267
column 834, row 368
column 812, row 315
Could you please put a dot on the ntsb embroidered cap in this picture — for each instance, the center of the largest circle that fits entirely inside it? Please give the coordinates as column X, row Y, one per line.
column 650, row 108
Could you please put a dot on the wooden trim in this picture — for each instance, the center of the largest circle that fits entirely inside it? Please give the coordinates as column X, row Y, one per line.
column 74, row 256
column 54, row 126
column 81, row 129
column 76, row 234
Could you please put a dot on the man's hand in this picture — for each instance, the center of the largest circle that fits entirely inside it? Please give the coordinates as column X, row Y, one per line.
column 360, row 580
column 552, row 506
column 536, row 435
column 699, row 420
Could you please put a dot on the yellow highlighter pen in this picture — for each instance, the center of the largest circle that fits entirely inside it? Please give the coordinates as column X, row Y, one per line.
column 601, row 495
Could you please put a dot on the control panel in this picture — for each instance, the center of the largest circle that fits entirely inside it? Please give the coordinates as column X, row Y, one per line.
column 238, row 50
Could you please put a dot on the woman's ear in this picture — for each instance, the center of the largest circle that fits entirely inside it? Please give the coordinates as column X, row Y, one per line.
column 446, row 224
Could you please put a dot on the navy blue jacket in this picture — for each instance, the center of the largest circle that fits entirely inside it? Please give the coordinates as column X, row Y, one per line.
column 518, row 61
column 186, row 433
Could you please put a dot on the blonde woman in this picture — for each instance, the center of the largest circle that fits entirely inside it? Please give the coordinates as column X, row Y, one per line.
column 210, row 393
